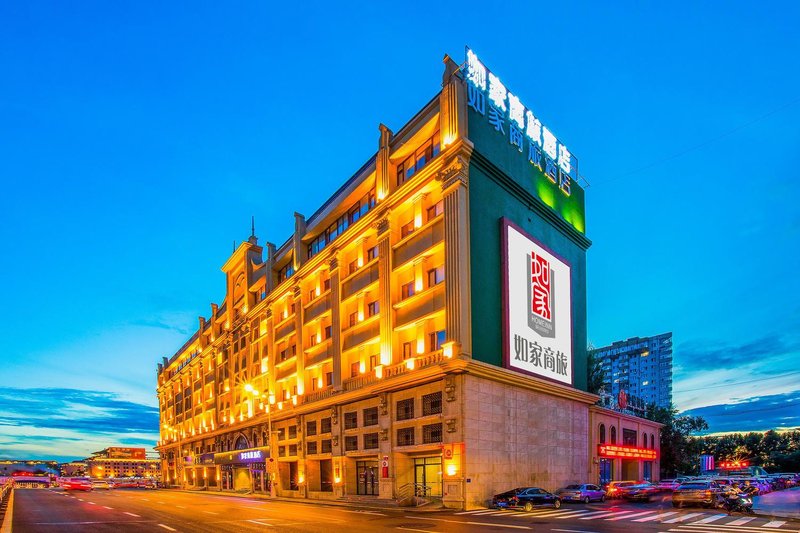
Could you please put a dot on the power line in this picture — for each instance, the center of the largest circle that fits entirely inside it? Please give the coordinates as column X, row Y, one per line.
column 702, row 144
column 738, row 382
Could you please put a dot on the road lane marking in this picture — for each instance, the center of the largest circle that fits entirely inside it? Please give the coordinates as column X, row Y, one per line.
column 740, row 522
column 162, row 503
column 603, row 514
column 558, row 514
column 181, row 506
column 491, row 524
column 626, row 516
column 412, row 529
column 145, row 500
column 260, row 523
column 91, row 503
column 210, row 512
column 656, row 517
column 682, row 518
column 166, row 527
column 80, row 499
column 710, row 519
column 774, row 523
column 363, row 512
column 107, row 507
column 575, row 530
column 132, row 514
column 470, row 512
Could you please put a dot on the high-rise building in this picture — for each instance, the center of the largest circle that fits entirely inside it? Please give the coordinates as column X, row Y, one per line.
column 637, row 372
column 422, row 333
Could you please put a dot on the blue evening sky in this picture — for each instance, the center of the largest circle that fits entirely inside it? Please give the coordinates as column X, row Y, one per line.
column 137, row 139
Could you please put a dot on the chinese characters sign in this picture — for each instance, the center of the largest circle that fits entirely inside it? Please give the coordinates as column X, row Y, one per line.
column 509, row 117
column 538, row 308
column 625, row 452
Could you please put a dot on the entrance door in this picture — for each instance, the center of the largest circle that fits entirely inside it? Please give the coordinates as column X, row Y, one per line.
column 367, row 473
column 428, row 476
column 606, row 471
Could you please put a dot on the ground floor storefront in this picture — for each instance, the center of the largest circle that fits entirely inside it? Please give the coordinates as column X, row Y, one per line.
column 456, row 438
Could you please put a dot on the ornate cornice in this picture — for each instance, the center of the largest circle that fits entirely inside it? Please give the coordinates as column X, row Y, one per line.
column 454, row 172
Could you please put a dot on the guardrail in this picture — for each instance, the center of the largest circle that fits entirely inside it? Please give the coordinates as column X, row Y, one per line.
column 6, row 502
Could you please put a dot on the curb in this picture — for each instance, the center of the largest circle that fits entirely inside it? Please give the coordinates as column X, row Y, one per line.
column 9, row 515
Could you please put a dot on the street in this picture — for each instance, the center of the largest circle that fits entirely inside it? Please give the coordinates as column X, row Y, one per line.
column 164, row 510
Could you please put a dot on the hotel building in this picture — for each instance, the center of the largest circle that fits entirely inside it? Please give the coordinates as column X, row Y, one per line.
column 116, row 462
column 422, row 333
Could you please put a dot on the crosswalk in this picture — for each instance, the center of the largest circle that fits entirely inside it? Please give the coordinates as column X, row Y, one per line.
column 697, row 522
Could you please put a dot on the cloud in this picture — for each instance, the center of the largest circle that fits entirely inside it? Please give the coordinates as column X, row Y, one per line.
column 46, row 423
column 697, row 355
column 757, row 413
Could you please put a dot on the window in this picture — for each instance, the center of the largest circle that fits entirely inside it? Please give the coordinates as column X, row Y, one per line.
column 281, row 433
column 353, row 318
column 405, row 437
column 312, row 340
column 370, row 441
column 328, row 379
column 602, row 433
column 372, row 253
column 325, row 425
column 652, row 442
column 406, row 229
column 432, row 404
column 312, row 294
column 372, row 308
column 405, row 409
column 613, row 435
column 292, row 432
column 406, row 350
column 351, row 420
column 353, row 267
column 326, row 446
column 285, row 272
column 371, row 416
column 435, row 276
column 431, row 433
column 435, row 340
column 628, row 437
column 355, row 369
column 326, row 332
column 292, row 450
column 373, row 362
column 326, row 285
column 351, row 443
column 644, row 440
column 407, row 290
column 435, row 210
column 421, row 157
column 281, row 451
column 311, row 447
column 311, row 428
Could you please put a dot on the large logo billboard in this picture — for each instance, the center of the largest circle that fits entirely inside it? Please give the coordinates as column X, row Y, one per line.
column 538, row 308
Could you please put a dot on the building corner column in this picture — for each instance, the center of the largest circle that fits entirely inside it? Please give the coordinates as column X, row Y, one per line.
column 385, row 289
column 336, row 334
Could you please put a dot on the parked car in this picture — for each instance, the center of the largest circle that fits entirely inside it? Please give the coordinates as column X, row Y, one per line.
column 615, row 488
column 147, row 484
column 695, row 492
column 76, row 484
column 526, row 498
column 581, row 493
column 641, row 492
column 101, row 484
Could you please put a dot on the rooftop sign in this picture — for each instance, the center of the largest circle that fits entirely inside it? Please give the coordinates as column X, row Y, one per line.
column 505, row 111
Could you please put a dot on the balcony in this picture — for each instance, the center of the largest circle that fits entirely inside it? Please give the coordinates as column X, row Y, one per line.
column 357, row 335
column 284, row 330
column 364, row 277
column 415, row 244
column 421, row 361
column 316, row 308
column 420, row 305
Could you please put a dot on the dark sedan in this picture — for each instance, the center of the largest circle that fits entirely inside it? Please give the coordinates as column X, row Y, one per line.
column 642, row 492
column 525, row 498
column 702, row 493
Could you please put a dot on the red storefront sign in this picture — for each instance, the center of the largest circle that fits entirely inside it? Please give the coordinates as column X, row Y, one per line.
column 625, row 452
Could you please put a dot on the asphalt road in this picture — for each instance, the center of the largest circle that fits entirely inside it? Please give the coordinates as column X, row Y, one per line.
column 163, row 510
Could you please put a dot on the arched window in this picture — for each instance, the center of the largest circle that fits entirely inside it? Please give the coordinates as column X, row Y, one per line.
column 241, row 443
column 644, row 440
column 613, row 435
column 602, row 433
column 652, row 441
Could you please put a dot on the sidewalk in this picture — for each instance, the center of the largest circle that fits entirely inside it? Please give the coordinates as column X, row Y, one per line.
column 783, row 504
column 355, row 502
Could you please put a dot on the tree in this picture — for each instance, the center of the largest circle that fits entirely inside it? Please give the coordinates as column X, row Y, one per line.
column 680, row 452
column 594, row 370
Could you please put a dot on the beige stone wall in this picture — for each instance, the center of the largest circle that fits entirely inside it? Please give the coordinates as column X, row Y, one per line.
column 516, row 437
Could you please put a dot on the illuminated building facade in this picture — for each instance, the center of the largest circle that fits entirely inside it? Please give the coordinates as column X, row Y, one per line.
column 119, row 462
column 395, row 343
column 641, row 368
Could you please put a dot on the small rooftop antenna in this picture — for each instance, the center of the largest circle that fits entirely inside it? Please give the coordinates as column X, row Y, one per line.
column 252, row 225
